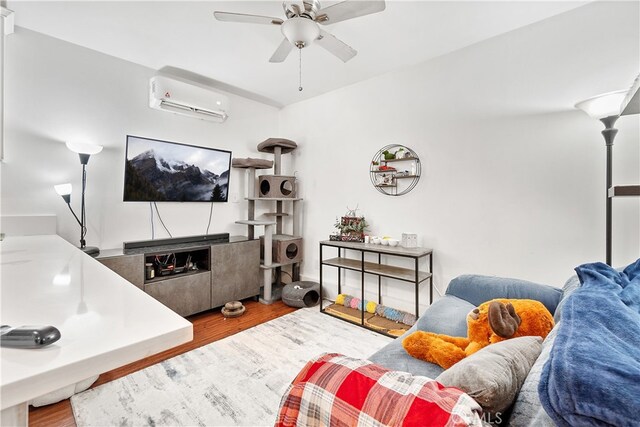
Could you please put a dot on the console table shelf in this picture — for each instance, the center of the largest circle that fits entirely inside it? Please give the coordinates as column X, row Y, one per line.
column 380, row 269
column 390, row 271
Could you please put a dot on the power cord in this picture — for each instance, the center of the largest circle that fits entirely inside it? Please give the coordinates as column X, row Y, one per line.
column 161, row 221
column 210, row 213
column 152, row 230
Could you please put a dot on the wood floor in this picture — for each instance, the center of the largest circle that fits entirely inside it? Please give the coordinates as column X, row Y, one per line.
column 207, row 327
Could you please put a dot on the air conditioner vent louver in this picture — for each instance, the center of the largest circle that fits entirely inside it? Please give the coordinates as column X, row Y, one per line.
column 175, row 96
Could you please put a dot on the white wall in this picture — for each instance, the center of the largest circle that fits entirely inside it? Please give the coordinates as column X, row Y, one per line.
column 57, row 91
column 513, row 176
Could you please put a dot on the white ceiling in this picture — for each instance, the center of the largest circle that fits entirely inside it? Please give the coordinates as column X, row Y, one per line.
column 183, row 35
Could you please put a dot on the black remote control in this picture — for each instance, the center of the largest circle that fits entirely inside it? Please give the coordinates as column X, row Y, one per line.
column 28, row 336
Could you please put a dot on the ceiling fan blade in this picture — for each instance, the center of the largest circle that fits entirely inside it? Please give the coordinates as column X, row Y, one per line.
column 247, row 19
column 336, row 46
column 349, row 10
column 282, row 51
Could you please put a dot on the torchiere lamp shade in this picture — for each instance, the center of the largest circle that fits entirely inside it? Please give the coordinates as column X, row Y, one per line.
column 605, row 105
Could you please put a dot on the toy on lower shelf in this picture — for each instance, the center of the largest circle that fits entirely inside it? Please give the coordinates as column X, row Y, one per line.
column 378, row 309
column 377, row 316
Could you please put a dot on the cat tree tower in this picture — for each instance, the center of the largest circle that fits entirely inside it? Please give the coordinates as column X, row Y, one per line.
column 278, row 249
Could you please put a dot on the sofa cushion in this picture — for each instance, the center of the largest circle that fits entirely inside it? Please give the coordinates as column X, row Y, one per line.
column 569, row 287
column 393, row 356
column 447, row 315
column 477, row 289
column 494, row 375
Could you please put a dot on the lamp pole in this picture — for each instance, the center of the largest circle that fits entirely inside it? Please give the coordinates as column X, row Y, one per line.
column 84, row 151
column 93, row 251
column 609, row 134
column 606, row 108
column 84, row 159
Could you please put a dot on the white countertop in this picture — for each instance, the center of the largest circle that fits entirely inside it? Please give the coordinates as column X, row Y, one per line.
column 104, row 320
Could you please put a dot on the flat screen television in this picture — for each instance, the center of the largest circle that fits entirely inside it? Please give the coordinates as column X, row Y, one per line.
column 162, row 171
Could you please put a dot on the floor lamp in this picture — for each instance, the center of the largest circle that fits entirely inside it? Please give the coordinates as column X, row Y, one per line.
column 606, row 108
column 85, row 151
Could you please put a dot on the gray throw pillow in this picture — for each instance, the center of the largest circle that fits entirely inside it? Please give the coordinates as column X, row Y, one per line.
column 528, row 411
column 493, row 376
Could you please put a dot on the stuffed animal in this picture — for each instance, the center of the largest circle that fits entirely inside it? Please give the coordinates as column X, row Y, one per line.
column 489, row 323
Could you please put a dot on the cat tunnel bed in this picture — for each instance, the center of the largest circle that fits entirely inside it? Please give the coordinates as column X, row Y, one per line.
column 301, row 294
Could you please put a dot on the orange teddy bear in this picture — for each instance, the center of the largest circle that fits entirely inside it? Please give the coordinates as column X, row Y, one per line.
column 489, row 323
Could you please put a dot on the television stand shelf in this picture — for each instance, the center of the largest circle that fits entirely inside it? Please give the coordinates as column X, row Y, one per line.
column 179, row 262
column 359, row 264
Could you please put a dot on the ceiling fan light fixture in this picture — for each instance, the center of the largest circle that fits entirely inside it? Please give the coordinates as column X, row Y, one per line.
column 301, row 32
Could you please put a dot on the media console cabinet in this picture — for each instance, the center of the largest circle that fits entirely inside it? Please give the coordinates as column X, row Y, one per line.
column 224, row 272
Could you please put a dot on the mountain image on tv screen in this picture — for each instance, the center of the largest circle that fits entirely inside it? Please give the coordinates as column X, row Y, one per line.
column 160, row 171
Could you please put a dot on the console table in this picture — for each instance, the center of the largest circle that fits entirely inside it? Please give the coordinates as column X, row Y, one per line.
column 378, row 268
column 104, row 321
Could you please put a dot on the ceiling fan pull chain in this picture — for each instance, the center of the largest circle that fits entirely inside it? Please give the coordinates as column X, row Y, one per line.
column 300, row 68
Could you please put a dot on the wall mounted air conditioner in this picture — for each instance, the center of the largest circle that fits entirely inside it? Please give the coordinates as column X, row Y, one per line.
column 175, row 96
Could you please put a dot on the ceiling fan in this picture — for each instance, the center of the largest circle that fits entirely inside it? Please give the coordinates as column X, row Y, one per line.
column 301, row 28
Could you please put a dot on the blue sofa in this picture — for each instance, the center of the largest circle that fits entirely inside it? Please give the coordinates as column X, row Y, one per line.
column 448, row 316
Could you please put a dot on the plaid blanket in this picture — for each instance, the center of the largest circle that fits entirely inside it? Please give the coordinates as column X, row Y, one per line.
column 335, row 390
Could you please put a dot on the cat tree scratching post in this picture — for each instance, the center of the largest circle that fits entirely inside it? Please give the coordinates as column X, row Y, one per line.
column 278, row 249
column 251, row 165
column 277, row 165
column 251, row 205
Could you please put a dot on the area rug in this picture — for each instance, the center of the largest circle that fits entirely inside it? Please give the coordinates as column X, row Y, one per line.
column 238, row 380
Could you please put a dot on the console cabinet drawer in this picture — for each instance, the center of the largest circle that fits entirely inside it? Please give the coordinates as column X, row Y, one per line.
column 235, row 270
column 184, row 295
